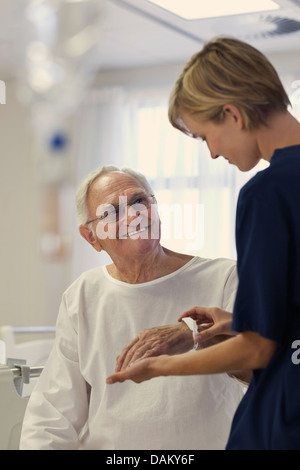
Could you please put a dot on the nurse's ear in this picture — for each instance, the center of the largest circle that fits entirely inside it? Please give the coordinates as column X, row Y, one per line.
column 89, row 236
column 232, row 112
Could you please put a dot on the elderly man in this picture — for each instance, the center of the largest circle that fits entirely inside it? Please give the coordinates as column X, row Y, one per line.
column 146, row 285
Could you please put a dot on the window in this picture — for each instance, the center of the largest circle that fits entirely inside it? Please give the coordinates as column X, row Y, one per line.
column 196, row 195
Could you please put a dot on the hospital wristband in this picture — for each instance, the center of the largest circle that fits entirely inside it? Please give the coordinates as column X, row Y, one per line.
column 192, row 325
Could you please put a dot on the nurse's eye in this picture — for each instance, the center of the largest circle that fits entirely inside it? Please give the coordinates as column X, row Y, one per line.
column 197, row 137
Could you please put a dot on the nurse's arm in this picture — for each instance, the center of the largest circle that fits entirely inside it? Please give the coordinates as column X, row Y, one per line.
column 246, row 351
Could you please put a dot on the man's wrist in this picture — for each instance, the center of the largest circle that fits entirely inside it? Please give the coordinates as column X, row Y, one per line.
column 192, row 325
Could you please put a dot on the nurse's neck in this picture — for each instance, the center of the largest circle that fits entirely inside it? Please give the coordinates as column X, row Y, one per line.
column 282, row 130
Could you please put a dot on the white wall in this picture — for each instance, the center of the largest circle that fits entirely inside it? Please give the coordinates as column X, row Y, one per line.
column 30, row 285
column 21, row 279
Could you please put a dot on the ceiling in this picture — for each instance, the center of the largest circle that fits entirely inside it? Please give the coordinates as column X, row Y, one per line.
column 126, row 33
column 137, row 32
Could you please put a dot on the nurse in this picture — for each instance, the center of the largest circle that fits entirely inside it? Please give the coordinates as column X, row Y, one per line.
column 230, row 96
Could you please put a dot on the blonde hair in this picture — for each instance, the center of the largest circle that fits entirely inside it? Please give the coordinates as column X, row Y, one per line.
column 227, row 71
column 82, row 192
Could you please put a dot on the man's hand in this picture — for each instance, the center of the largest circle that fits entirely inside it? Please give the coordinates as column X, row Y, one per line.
column 169, row 339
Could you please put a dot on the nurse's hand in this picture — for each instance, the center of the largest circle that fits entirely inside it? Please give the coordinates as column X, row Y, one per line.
column 168, row 339
column 211, row 322
column 140, row 371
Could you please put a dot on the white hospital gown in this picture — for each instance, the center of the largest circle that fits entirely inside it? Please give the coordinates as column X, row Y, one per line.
column 72, row 407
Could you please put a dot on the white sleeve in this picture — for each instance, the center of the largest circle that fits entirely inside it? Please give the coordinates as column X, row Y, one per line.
column 230, row 289
column 58, row 406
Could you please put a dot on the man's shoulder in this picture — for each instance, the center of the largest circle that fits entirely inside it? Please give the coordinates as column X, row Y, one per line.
column 215, row 262
column 85, row 279
column 224, row 266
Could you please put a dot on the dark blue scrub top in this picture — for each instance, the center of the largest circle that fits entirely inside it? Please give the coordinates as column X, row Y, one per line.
column 268, row 302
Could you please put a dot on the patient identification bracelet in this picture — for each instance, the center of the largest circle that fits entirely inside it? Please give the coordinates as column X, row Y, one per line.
column 192, row 325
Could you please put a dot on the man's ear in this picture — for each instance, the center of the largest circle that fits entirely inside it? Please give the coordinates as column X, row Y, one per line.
column 233, row 112
column 87, row 234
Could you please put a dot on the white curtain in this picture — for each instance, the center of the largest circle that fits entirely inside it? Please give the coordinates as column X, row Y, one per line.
column 196, row 195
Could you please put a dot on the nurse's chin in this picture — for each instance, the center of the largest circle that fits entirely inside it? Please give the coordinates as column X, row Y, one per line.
column 244, row 167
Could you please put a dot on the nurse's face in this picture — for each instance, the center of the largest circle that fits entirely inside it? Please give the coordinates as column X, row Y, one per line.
column 228, row 139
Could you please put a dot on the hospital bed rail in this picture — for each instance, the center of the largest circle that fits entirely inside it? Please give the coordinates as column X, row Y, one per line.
column 33, row 329
column 12, row 404
column 31, row 372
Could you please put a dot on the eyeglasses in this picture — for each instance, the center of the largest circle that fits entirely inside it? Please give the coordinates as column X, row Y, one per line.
column 109, row 213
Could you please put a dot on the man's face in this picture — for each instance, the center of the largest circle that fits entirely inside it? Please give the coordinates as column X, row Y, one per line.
column 127, row 221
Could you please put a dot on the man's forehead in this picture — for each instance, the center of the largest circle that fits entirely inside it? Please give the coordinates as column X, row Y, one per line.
column 110, row 186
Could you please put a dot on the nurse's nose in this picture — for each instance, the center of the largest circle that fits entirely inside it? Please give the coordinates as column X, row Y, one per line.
column 214, row 156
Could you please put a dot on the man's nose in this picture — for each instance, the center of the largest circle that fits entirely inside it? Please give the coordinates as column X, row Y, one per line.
column 128, row 214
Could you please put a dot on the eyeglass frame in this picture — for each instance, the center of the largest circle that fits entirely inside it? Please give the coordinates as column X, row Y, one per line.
column 116, row 210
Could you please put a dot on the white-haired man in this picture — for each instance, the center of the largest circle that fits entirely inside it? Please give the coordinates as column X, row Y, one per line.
column 145, row 286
